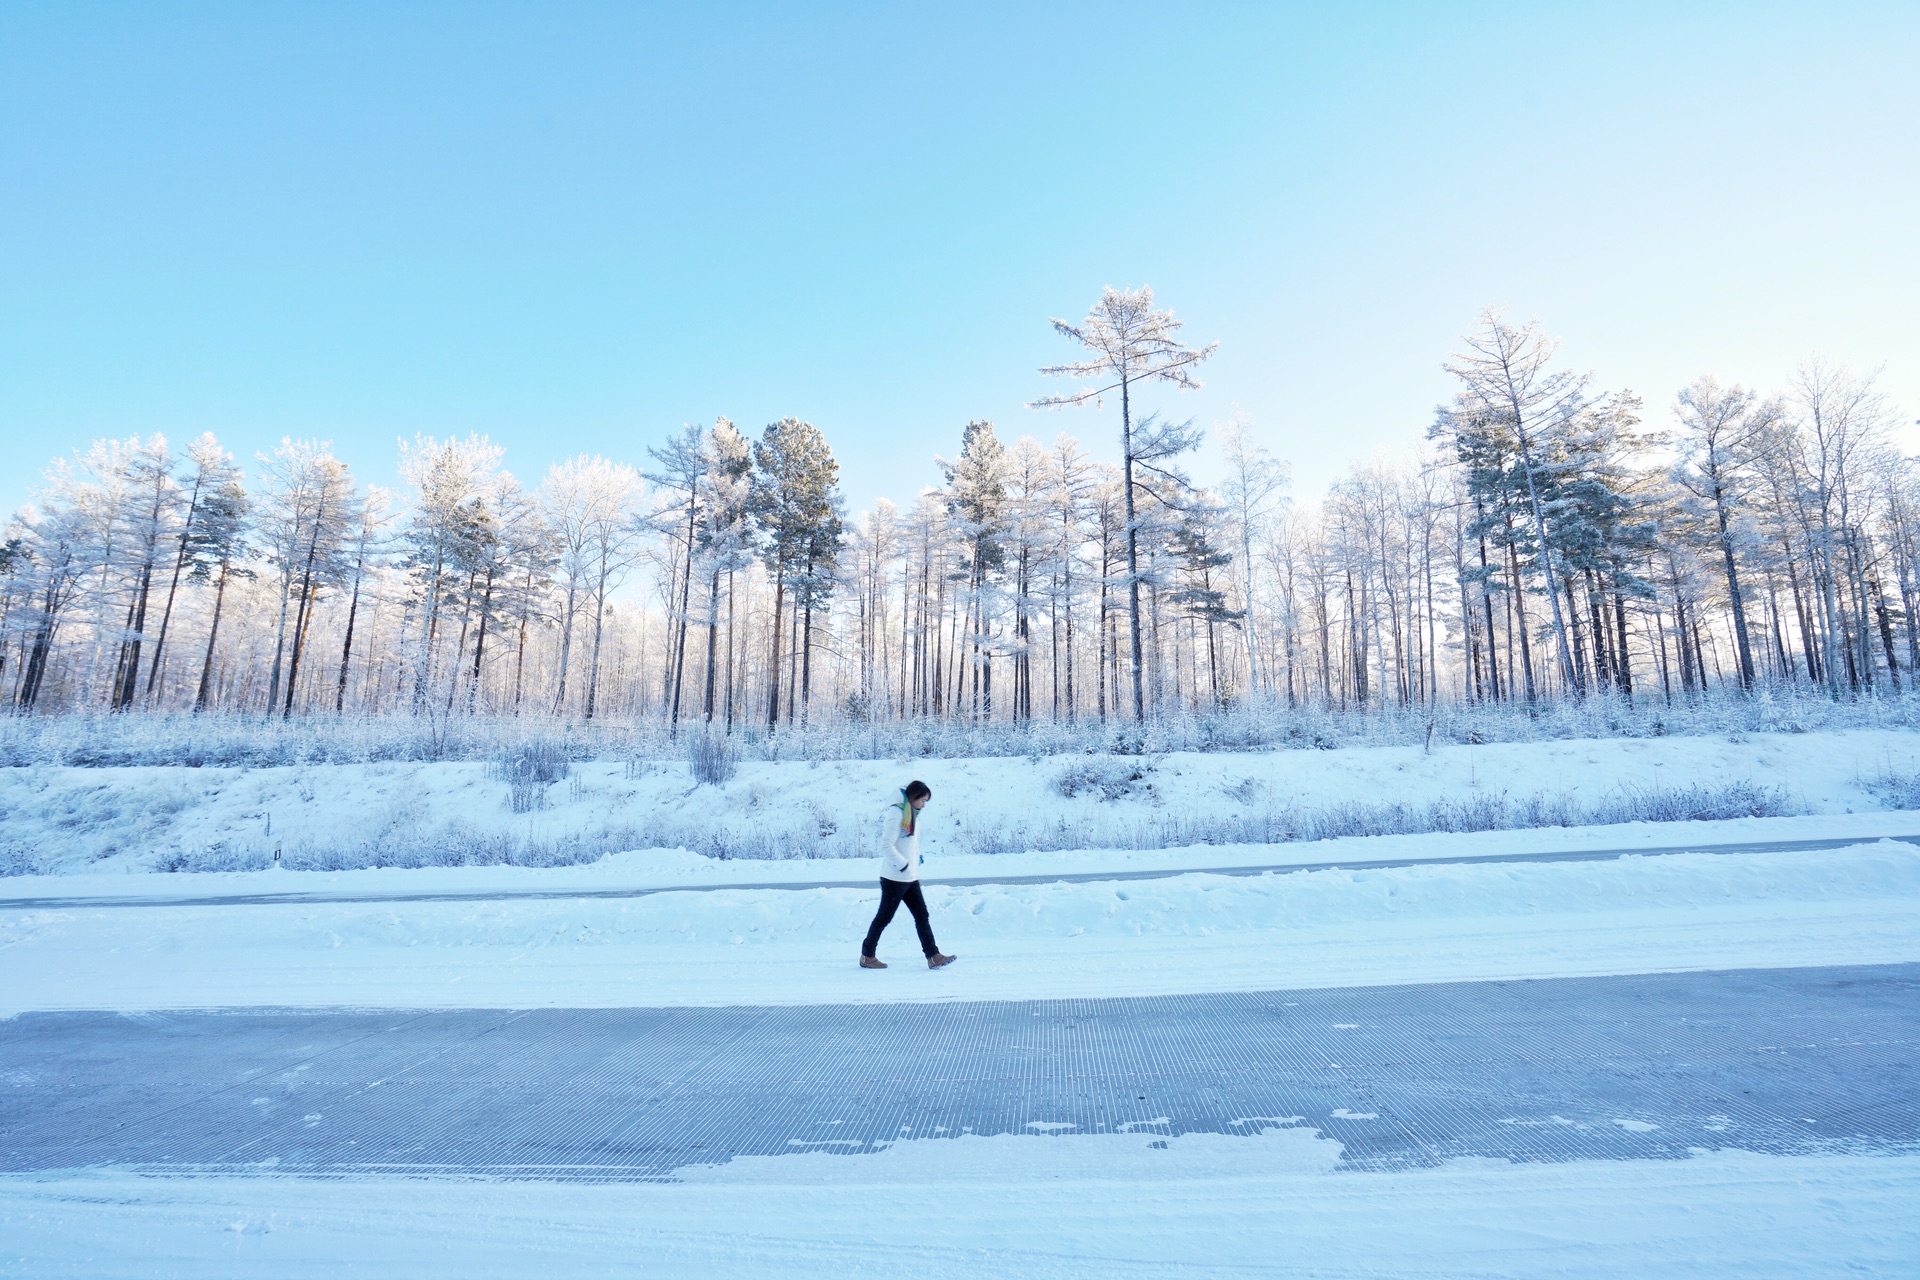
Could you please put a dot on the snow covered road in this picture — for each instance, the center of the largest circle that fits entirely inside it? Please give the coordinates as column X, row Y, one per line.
column 1715, row 1077
column 1781, row 1061
column 1182, row 934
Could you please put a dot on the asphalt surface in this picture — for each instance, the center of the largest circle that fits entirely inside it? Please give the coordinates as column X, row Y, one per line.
column 297, row 897
column 1640, row 1067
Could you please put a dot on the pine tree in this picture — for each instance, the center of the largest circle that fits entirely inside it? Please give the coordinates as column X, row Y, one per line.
column 680, row 468
column 725, row 542
column 1505, row 374
column 154, row 497
column 216, row 549
column 211, row 467
column 977, row 508
column 795, row 503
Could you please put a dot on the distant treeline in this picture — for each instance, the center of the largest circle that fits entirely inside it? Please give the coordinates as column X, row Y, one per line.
column 1547, row 543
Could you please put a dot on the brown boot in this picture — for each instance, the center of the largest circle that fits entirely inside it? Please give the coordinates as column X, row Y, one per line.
column 871, row 962
column 936, row 960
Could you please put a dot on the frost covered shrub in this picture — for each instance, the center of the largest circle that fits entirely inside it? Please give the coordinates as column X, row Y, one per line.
column 466, row 847
column 1696, row 804
column 18, row 860
column 714, row 757
column 1895, row 788
column 1485, row 811
column 530, row 770
column 1109, row 779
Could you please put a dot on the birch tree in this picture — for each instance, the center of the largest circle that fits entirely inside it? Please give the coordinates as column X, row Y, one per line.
column 1254, row 489
column 591, row 503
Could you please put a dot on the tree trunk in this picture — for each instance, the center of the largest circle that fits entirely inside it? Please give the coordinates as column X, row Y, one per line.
column 480, row 640
column 1626, row 661
column 773, row 668
column 1133, row 549
column 179, row 563
column 201, row 698
column 713, row 640
column 346, row 645
column 680, row 640
column 1741, row 645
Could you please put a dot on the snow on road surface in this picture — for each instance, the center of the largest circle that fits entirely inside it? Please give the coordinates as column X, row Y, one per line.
column 1118, row 1205
column 1187, row 933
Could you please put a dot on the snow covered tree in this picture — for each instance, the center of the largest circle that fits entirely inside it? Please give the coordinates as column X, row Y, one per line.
column 591, row 503
column 1253, row 491
column 212, row 467
column 368, row 521
column 795, row 501
column 1720, row 428
column 1131, row 343
column 303, row 518
column 680, row 469
column 50, row 563
column 450, row 480
column 1030, row 544
column 977, row 508
column 1070, row 486
column 725, row 544
column 217, row 550
column 1505, row 373
column 154, row 495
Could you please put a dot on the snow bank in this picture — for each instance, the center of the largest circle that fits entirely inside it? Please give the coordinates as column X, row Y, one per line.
column 1182, row 934
column 59, row 818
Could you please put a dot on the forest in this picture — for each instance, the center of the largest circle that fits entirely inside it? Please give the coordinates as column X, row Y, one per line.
column 1548, row 541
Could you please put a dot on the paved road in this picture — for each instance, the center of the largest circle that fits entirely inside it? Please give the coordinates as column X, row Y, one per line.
column 296, row 897
column 1797, row 1060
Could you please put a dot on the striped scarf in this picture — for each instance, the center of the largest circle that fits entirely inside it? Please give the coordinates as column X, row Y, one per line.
column 907, row 812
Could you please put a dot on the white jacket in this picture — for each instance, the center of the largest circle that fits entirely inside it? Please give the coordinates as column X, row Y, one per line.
column 899, row 852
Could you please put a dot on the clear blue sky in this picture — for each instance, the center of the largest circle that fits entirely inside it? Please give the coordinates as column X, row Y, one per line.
column 574, row 227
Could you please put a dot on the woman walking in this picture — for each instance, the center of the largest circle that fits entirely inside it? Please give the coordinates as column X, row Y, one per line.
column 900, row 860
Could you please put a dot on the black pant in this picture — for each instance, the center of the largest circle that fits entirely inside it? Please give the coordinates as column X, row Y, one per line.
column 892, row 894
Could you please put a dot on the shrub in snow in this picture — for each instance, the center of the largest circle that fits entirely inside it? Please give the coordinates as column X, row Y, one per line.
column 1110, row 779
column 529, row 770
column 1895, row 788
column 714, row 757
column 1483, row 811
column 18, row 860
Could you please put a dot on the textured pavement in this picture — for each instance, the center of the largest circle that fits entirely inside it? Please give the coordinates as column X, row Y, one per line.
column 1643, row 1067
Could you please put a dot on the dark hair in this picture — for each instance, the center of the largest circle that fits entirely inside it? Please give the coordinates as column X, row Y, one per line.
column 918, row 790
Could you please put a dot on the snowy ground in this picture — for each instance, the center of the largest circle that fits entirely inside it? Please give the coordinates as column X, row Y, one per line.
column 1101, row 1205
column 68, row 819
